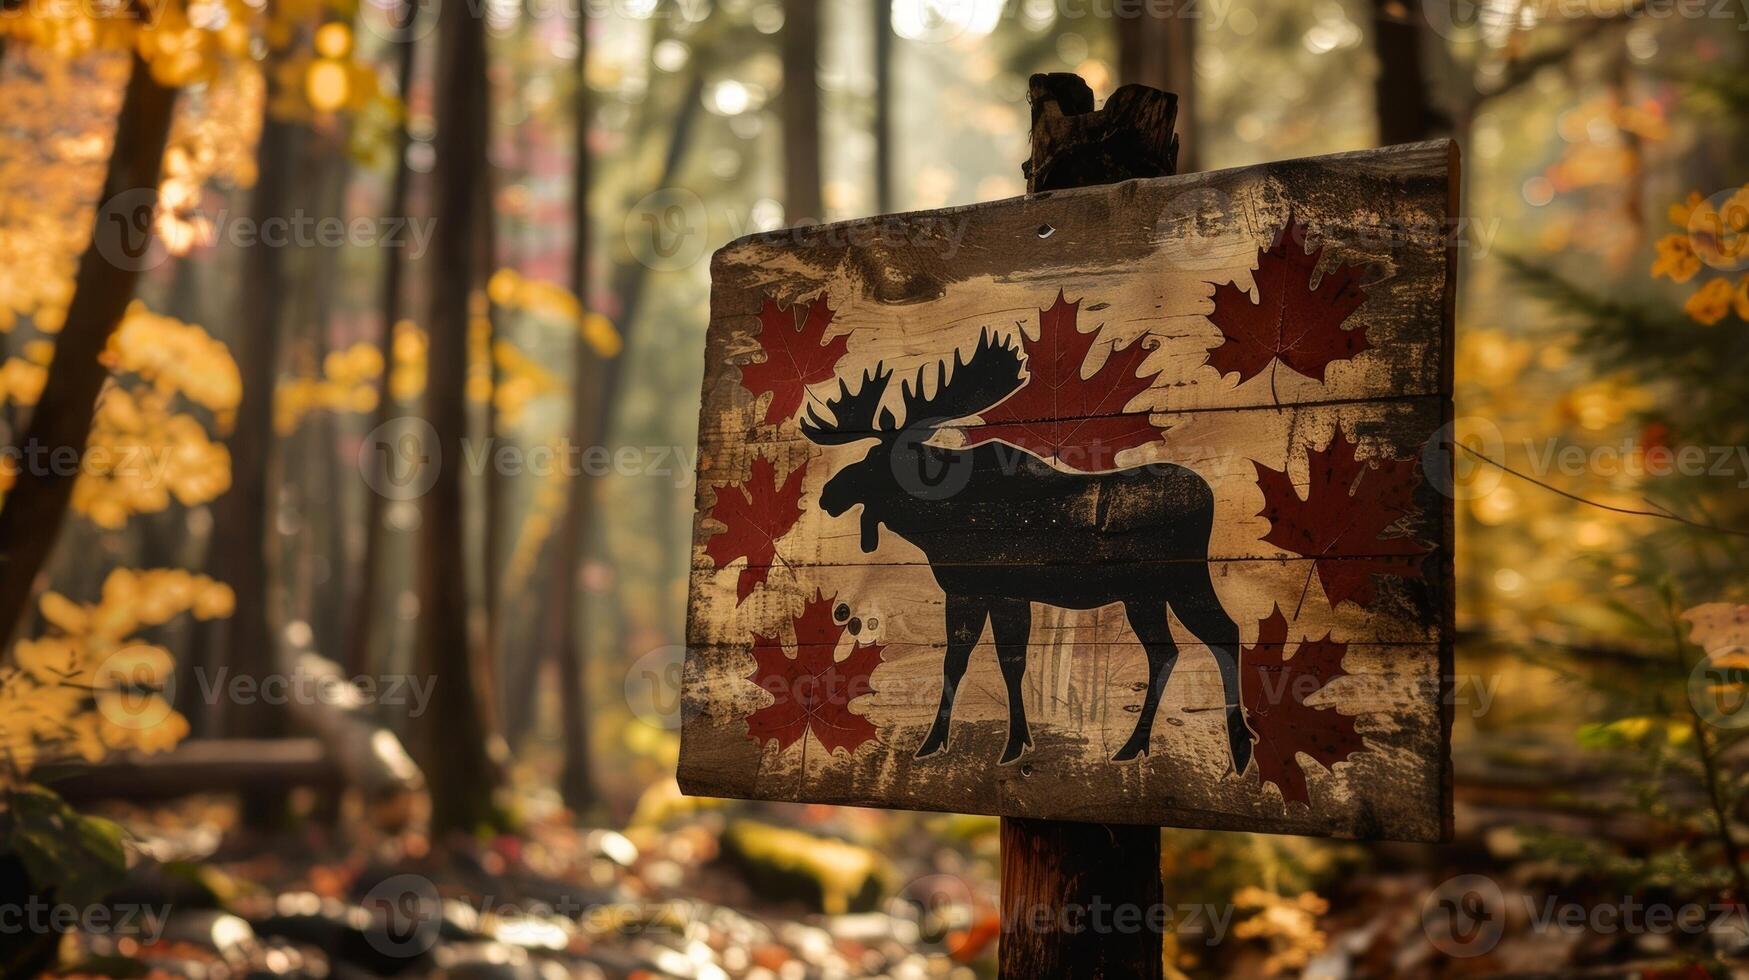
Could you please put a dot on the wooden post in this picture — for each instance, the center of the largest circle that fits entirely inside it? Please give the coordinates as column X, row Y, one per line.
column 1085, row 899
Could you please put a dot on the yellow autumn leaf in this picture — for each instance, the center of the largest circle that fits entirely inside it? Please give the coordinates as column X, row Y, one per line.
column 176, row 357
column 52, row 660
column 599, row 333
column 120, row 587
column 137, row 720
column 215, row 600
column 136, row 665
column 63, row 613
column 41, row 711
column 85, row 738
column 1681, row 211
column 1676, row 259
column 1710, row 303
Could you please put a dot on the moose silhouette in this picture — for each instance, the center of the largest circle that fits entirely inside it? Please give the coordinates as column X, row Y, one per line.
column 1003, row 529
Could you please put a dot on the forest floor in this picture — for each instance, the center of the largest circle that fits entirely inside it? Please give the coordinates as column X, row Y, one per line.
column 704, row 890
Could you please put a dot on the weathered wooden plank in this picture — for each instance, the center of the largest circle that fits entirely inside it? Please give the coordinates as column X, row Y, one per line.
column 1127, row 508
column 1224, row 448
column 906, row 602
column 1391, row 693
column 1142, row 258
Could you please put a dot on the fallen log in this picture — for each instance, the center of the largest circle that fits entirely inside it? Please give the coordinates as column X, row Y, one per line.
column 206, row 765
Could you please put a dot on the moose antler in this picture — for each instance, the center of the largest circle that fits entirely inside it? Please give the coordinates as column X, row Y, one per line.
column 992, row 374
column 853, row 413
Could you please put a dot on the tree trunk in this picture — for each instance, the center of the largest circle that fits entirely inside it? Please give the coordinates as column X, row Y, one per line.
column 1159, row 51
column 883, row 106
column 31, row 519
column 238, row 545
column 361, row 632
column 1400, row 90
column 801, row 112
column 453, row 729
column 577, row 779
column 323, row 501
column 492, row 521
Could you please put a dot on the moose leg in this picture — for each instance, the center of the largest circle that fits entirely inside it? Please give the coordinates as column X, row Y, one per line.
column 1011, row 623
column 1148, row 618
column 1200, row 609
column 965, row 623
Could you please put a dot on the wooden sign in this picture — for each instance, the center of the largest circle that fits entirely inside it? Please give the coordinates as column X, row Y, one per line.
column 1118, row 504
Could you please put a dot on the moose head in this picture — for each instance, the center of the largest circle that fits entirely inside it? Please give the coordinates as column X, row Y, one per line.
column 902, row 469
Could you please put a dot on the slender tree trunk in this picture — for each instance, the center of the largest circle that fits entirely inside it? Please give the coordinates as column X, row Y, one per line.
column 108, row 271
column 1400, row 91
column 577, row 782
column 322, row 500
column 628, row 285
column 801, row 111
column 361, row 633
column 1159, row 50
column 492, row 530
column 883, row 105
column 454, row 734
column 239, row 546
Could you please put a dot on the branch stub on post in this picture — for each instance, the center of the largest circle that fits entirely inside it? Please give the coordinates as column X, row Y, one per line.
column 1076, row 145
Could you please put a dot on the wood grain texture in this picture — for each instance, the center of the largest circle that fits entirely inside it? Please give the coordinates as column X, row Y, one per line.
column 1066, row 561
column 1098, row 934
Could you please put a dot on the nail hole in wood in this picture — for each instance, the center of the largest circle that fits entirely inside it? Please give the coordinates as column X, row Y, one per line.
column 1046, row 231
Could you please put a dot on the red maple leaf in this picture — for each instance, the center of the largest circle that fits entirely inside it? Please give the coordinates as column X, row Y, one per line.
column 812, row 690
column 754, row 515
column 1290, row 320
column 1057, row 414
column 1274, row 689
column 796, row 355
column 1341, row 522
